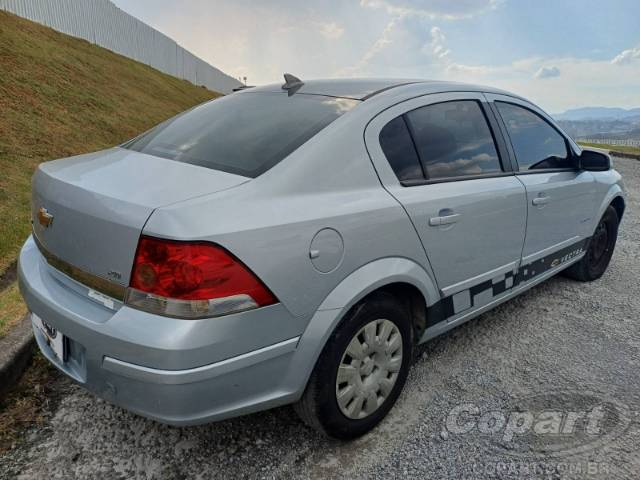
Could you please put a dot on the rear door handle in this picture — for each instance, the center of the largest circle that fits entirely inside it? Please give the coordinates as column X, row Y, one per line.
column 541, row 200
column 444, row 220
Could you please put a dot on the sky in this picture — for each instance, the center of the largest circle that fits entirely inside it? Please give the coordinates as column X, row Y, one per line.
column 559, row 54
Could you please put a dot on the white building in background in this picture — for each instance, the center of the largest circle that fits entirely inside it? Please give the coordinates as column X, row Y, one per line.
column 102, row 23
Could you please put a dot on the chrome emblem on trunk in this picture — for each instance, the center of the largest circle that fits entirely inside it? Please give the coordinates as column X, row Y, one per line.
column 44, row 217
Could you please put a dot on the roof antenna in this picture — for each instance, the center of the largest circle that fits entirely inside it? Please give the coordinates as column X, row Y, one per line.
column 292, row 83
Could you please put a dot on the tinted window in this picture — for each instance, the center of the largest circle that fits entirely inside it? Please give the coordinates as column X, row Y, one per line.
column 246, row 133
column 397, row 145
column 536, row 143
column 453, row 140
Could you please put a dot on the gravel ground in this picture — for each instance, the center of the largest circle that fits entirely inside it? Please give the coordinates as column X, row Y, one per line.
column 563, row 346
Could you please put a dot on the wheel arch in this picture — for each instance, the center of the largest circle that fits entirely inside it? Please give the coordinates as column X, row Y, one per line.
column 412, row 300
column 379, row 274
column 620, row 206
column 614, row 198
column 398, row 276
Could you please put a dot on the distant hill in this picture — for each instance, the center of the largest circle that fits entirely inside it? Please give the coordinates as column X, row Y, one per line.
column 619, row 129
column 601, row 122
column 598, row 113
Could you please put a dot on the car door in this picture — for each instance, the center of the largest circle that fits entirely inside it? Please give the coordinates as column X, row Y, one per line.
column 560, row 197
column 438, row 156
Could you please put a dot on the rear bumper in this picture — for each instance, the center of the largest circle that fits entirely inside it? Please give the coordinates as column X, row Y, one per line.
column 187, row 397
column 180, row 372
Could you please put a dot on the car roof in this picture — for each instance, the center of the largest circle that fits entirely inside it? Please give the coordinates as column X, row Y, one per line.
column 364, row 88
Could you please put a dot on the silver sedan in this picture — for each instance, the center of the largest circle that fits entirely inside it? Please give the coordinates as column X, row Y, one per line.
column 293, row 243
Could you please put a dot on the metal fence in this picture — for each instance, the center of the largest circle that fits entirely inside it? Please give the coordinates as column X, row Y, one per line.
column 102, row 23
column 611, row 141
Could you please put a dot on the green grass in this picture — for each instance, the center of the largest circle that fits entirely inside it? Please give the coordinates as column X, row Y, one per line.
column 62, row 96
column 617, row 148
column 11, row 308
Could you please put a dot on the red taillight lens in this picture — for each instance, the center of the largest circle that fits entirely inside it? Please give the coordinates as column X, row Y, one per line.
column 196, row 272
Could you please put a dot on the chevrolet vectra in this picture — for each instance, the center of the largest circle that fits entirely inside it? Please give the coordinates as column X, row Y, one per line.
column 292, row 244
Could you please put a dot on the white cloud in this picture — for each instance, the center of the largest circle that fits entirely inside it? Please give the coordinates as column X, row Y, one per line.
column 547, row 72
column 378, row 46
column 627, row 56
column 411, row 49
column 408, row 33
column 441, row 55
column 434, row 9
column 331, row 31
column 437, row 45
column 583, row 82
column 406, row 45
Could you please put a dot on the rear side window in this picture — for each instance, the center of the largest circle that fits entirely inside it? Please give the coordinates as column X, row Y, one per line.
column 245, row 134
column 536, row 143
column 453, row 140
column 398, row 147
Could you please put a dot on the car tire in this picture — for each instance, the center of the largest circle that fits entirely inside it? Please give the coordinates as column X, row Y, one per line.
column 371, row 369
column 600, row 250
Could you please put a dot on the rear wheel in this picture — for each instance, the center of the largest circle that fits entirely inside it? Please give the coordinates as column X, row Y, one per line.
column 361, row 370
column 595, row 262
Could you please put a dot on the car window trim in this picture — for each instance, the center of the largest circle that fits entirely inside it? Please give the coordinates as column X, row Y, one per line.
column 415, row 146
column 504, row 133
column 427, row 180
column 547, row 170
column 409, row 125
column 499, row 132
column 570, row 153
column 460, row 178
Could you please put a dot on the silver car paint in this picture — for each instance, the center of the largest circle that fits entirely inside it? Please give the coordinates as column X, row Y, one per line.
column 186, row 372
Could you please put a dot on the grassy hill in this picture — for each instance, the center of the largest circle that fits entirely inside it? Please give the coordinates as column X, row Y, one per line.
column 62, row 96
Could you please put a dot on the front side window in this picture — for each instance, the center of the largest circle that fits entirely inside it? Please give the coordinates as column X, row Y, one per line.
column 537, row 145
column 453, row 139
column 245, row 133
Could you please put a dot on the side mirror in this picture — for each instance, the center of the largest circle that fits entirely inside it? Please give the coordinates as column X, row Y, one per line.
column 593, row 161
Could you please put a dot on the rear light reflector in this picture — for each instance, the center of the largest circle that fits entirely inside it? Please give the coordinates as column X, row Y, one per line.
column 192, row 280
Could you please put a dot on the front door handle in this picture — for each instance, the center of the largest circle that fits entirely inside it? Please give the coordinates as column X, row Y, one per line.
column 541, row 200
column 444, row 220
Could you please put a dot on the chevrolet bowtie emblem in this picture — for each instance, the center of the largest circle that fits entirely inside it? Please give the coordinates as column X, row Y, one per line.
column 44, row 217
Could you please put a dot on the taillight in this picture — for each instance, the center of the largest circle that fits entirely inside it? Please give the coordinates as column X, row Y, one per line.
column 192, row 280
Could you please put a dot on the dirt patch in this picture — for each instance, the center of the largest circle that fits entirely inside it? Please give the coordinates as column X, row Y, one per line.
column 29, row 404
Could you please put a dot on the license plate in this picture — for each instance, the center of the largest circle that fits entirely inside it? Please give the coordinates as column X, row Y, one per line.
column 52, row 336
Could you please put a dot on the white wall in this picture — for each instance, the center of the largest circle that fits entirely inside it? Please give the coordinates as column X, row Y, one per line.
column 102, row 23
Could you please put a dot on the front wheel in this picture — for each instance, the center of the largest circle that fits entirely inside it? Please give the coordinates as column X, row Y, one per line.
column 595, row 262
column 361, row 370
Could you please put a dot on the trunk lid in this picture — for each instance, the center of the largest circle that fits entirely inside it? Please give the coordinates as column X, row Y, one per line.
column 100, row 202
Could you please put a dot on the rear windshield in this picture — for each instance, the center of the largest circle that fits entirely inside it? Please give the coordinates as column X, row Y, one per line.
column 245, row 134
